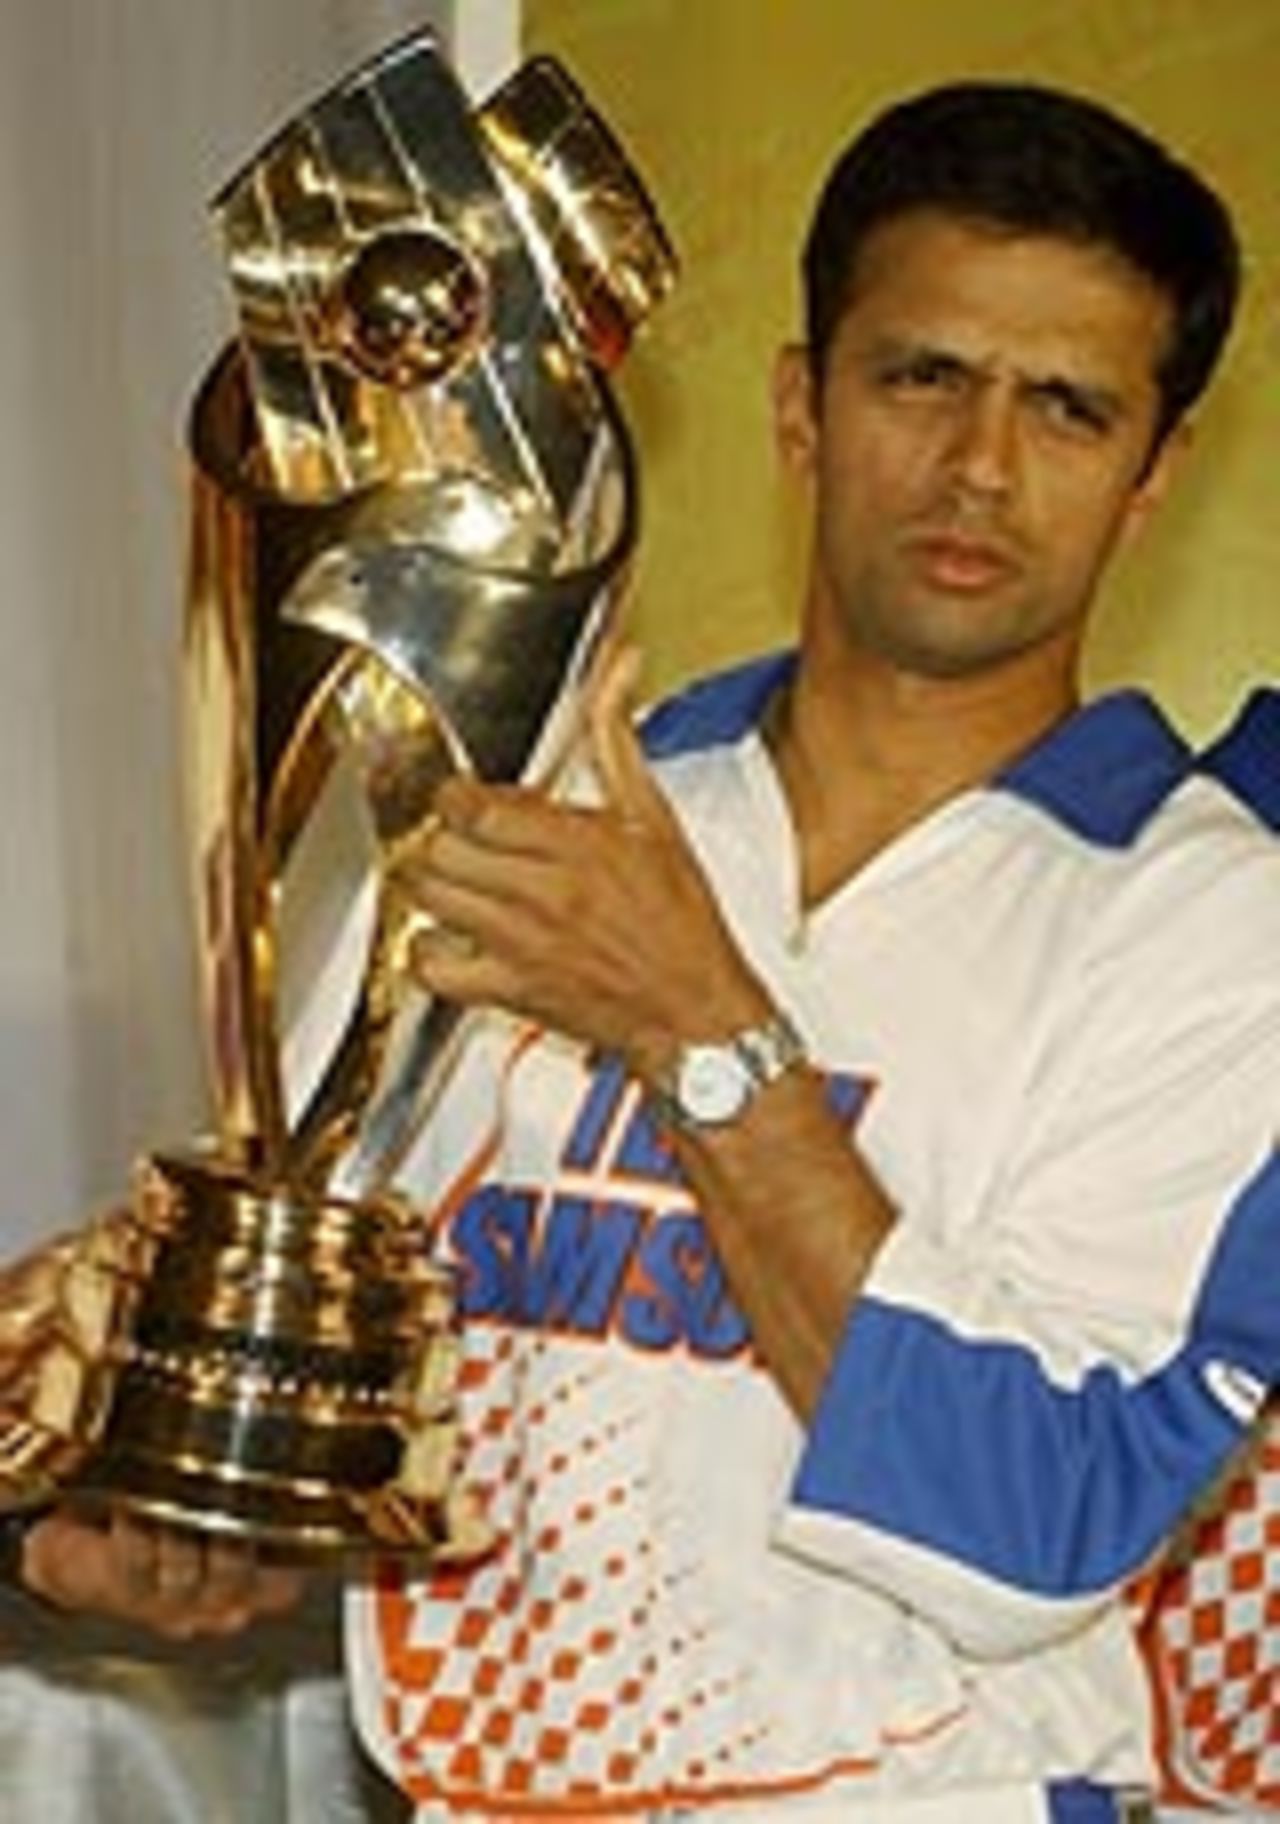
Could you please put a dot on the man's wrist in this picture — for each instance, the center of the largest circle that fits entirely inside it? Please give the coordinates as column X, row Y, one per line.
column 712, row 1018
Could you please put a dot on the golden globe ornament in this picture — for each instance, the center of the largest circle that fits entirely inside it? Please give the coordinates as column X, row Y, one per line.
column 409, row 308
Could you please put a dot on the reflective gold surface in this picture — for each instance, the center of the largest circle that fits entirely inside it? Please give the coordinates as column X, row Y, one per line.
column 409, row 307
column 412, row 502
column 391, row 581
column 286, row 1351
column 587, row 211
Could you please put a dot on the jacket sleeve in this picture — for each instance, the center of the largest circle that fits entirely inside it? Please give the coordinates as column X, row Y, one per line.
column 1015, row 1421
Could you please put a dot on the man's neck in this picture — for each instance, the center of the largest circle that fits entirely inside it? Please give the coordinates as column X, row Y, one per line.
column 866, row 753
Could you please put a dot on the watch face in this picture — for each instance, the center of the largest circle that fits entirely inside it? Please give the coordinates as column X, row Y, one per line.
column 713, row 1085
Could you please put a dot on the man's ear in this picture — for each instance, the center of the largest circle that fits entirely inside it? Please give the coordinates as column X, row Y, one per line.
column 795, row 405
column 1153, row 485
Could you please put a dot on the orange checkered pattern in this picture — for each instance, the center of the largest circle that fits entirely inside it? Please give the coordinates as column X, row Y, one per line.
column 577, row 1670
column 483, row 1705
column 1212, row 1639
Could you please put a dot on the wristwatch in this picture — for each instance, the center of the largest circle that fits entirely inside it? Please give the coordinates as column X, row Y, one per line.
column 712, row 1085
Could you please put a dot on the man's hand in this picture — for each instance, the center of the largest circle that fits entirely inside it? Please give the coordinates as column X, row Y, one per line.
column 597, row 922
column 176, row 1584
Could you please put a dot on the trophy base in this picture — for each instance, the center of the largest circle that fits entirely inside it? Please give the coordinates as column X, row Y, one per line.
column 299, row 1522
column 290, row 1374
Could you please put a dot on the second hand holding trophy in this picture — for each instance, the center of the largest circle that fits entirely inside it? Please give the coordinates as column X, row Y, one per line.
column 413, row 498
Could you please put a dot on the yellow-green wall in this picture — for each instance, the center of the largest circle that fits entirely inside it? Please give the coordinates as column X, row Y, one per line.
column 732, row 109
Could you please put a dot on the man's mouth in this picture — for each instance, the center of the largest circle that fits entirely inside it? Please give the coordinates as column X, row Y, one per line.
column 964, row 566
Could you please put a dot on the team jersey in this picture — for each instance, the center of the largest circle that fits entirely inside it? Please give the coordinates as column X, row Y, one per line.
column 1048, row 1016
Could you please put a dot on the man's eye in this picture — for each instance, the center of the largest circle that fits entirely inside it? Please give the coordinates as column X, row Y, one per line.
column 1072, row 410
column 923, row 374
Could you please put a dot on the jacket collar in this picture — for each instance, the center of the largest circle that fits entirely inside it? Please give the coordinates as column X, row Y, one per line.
column 1102, row 773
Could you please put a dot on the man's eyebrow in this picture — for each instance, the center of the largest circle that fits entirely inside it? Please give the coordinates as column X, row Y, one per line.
column 1099, row 395
column 890, row 345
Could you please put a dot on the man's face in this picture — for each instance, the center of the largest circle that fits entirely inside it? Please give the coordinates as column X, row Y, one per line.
column 978, row 444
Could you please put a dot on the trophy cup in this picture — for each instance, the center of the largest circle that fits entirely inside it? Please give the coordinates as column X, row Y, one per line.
column 413, row 498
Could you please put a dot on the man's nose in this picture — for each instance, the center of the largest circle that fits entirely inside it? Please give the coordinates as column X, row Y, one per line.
column 984, row 446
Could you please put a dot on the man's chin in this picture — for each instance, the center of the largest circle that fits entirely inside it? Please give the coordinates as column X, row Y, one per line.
column 958, row 655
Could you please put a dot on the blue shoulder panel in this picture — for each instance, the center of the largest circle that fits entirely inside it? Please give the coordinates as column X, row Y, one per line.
column 1104, row 772
column 1247, row 758
column 715, row 711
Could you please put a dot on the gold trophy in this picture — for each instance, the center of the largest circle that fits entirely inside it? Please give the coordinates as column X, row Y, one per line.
column 413, row 498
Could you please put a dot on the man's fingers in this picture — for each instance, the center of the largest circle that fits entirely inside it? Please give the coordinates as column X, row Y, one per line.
column 161, row 1580
column 134, row 1551
column 216, row 1584
column 455, row 965
column 611, row 643
column 275, row 1588
column 238, row 1586
column 512, row 820
column 504, row 850
column 178, row 1567
column 177, row 1583
column 624, row 772
column 614, row 682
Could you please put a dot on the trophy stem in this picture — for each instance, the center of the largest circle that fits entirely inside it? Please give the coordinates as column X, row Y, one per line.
column 394, row 1118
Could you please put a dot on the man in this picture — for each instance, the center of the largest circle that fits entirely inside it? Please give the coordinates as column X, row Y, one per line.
column 863, row 1201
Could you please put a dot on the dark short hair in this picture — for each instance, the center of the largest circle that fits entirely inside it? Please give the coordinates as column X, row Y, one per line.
column 1038, row 161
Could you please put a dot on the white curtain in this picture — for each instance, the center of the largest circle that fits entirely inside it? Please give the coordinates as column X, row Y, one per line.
column 118, row 119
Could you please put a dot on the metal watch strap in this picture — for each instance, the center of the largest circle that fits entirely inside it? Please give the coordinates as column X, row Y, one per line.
column 770, row 1049
column 761, row 1053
